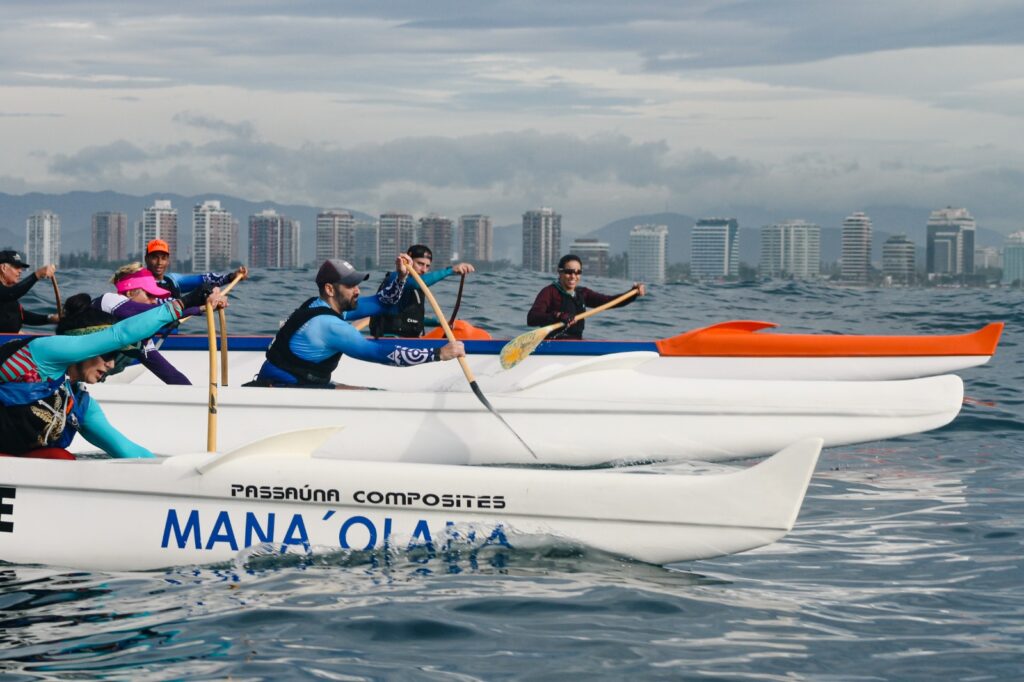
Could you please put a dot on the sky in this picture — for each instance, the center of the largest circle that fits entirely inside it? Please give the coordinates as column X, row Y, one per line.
column 599, row 109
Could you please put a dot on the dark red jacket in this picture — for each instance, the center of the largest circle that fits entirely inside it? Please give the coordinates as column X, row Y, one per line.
column 551, row 301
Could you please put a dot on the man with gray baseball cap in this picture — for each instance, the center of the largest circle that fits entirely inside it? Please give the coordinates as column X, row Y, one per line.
column 309, row 346
column 12, row 315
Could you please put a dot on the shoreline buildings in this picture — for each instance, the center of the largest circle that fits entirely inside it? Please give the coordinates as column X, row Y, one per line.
column 273, row 240
column 594, row 256
column 791, row 249
column 949, row 251
column 542, row 240
column 1013, row 260
column 109, row 236
column 899, row 261
column 213, row 237
column 476, row 238
column 856, row 247
column 436, row 233
column 648, row 253
column 714, row 248
column 335, row 235
column 396, row 232
column 160, row 221
column 42, row 238
column 366, row 245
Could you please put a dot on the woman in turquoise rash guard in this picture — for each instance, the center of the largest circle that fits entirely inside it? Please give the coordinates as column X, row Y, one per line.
column 43, row 402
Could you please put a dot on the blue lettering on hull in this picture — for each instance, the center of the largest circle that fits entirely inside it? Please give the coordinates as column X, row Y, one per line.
column 187, row 530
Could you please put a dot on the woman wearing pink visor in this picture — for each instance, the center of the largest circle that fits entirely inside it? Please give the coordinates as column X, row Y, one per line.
column 137, row 292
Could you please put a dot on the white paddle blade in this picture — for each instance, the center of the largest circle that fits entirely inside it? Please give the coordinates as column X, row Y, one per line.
column 300, row 443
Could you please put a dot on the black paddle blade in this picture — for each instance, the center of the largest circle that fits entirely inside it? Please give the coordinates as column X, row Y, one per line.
column 490, row 408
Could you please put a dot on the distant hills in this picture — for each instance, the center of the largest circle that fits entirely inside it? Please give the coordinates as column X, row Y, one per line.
column 76, row 209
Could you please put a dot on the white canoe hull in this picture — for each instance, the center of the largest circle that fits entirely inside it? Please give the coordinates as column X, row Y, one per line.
column 200, row 509
column 244, row 365
column 586, row 415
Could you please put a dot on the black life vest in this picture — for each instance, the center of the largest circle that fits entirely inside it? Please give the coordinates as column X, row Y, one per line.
column 409, row 319
column 11, row 317
column 166, row 283
column 37, row 414
column 281, row 356
column 573, row 305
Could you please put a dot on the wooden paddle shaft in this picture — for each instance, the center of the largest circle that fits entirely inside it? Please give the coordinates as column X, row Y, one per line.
column 223, row 319
column 444, row 323
column 56, row 295
column 211, row 415
column 594, row 311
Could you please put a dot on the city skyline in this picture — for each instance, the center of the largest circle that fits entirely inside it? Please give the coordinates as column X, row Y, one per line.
column 600, row 109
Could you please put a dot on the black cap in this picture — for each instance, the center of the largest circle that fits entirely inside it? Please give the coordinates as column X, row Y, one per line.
column 14, row 258
column 335, row 270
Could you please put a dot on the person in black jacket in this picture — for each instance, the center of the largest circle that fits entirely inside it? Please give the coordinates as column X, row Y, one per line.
column 12, row 315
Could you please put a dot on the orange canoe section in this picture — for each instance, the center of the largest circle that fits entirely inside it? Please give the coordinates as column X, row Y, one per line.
column 739, row 339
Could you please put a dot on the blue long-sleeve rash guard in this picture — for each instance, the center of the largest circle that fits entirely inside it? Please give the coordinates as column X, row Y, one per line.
column 53, row 355
column 325, row 335
column 187, row 283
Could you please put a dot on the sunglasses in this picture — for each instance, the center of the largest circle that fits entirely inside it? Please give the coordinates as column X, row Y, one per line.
column 109, row 357
column 567, row 271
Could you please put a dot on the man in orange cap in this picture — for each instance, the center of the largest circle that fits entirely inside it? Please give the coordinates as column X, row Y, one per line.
column 158, row 259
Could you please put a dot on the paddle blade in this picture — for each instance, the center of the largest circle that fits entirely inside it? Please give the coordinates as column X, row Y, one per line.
column 518, row 348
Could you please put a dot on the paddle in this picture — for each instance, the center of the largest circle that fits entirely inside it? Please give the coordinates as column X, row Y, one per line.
column 56, row 295
column 211, row 415
column 518, row 348
column 225, row 290
column 462, row 361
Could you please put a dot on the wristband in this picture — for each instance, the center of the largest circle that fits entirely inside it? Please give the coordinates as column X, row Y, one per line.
column 437, row 354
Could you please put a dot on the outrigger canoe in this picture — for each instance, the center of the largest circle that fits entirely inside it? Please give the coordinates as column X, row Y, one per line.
column 741, row 349
column 589, row 412
column 273, row 497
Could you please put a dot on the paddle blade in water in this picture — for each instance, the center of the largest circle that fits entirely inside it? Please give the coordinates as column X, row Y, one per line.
column 518, row 348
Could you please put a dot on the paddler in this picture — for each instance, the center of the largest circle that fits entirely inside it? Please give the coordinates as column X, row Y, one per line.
column 12, row 315
column 158, row 260
column 43, row 401
column 308, row 348
column 564, row 299
column 408, row 317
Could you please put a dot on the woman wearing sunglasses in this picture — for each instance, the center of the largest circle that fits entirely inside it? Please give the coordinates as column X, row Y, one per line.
column 564, row 299
column 43, row 402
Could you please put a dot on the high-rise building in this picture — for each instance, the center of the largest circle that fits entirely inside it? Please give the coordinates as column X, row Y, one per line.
column 396, row 233
column 542, row 240
column 714, row 248
column 436, row 233
column 109, row 236
column 213, row 229
column 987, row 257
column 791, row 249
column 335, row 235
column 899, row 260
column 160, row 221
column 856, row 247
column 476, row 238
column 648, row 253
column 42, row 238
column 367, row 243
column 949, row 251
column 1013, row 259
column 273, row 240
column 593, row 254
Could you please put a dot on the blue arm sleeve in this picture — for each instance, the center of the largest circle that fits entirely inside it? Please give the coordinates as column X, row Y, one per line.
column 187, row 283
column 54, row 354
column 330, row 335
column 432, row 277
column 98, row 431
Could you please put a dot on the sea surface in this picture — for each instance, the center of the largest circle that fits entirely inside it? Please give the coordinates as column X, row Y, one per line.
column 905, row 563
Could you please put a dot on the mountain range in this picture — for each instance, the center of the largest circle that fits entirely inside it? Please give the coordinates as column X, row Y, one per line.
column 76, row 208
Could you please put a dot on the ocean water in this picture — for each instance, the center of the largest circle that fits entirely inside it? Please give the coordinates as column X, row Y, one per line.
column 905, row 563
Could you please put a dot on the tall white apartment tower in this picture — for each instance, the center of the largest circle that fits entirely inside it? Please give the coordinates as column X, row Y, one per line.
column 213, row 231
column 648, row 253
column 42, row 238
column 335, row 235
column 856, row 247
column 160, row 221
column 791, row 249
column 1013, row 259
column 476, row 238
column 542, row 240
column 396, row 233
column 714, row 248
column 437, row 234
